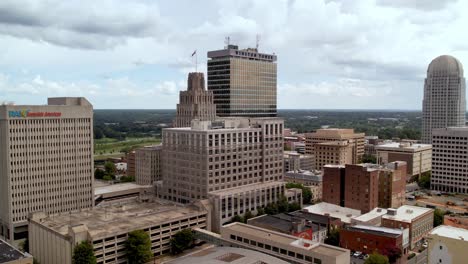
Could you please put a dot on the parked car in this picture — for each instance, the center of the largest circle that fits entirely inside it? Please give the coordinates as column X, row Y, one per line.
column 425, row 244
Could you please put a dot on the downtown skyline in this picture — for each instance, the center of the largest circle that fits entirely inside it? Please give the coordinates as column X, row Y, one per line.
column 361, row 55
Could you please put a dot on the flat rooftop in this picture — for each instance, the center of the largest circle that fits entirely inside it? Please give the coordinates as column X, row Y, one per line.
column 285, row 239
column 376, row 212
column 129, row 186
column 121, row 217
column 407, row 213
column 451, row 232
column 377, row 230
column 403, row 146
column 8, row 253
column 305, row 175
column 223, row 255
column 281, row 222
column 245, row 188
column 343, row 213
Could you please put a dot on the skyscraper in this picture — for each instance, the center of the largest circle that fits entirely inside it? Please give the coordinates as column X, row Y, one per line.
column 444, row 103
column 243, row 82
column 46, row 161
column 195, row 103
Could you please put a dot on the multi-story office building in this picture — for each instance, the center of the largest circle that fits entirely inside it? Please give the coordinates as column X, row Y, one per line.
column 447, row 244
column 444, row 103
column 355, row 141
column 46, row 161
column 392, row 185
column 243, row 82
column 419, row 220
column 284, row 246
column 310, row 179
column 294, row 161
column 334, row 180
column 148, row 164
column 332, row 153
column 213, row 156
column 131, row 163
column 227, row 203
column 53, row 237
column 450, row 160
column 418, row 157
column 195, row 103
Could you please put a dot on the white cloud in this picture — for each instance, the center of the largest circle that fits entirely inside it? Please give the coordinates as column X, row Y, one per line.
column 352, row 51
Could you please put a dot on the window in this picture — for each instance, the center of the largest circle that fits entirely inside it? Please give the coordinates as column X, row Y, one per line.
column 317, row 261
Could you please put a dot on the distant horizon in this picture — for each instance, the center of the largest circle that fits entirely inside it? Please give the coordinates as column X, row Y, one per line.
column 282, row 109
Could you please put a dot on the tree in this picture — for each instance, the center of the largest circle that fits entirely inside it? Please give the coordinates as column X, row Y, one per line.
column 393, row 253
column 247, row 216
column 283, row 205
column 306, row 192
column 25, row 245
column 98, row 133
column 138, row 247
column 425, row 180
column 271, row 209
column 181, row 241
column 333, row 237
column 99, row 174
column 368, row 159
column 237, row 218
column 107, row 178
column 127, row 179
column 294, row 207
column 110, row 168
column 438, row 217
column 83, row 253
column 260, row 211
column 376, row 258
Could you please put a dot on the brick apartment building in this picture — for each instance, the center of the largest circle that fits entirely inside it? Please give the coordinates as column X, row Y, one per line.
column 352, row 186
column 365, row 186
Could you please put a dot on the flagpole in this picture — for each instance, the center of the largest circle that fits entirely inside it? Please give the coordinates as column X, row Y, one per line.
column 196, row 61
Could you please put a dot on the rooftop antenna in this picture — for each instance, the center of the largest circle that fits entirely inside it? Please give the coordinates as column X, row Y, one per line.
column 257, row 42
column 227, row 41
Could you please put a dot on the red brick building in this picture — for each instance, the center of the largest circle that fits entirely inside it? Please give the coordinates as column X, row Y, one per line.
column 362, row 187
column 392, row 185
column 333, row 184
column 369, row 239
column 131, row 163
column 418, row 220
column 365, row 186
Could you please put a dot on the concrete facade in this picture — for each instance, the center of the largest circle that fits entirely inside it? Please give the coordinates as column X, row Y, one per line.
column 46, row 161
column 294, row 161
column 447, row 245
column 148, row 165
column 418, row 157
column 333, row 153
column 444, row 103
column 213, row 156
column 52, row 238
column 195, row 103
column 243, row 82
column 354, row 140
column 450, row 160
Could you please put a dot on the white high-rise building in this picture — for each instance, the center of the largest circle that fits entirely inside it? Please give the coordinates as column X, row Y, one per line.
column 450, row 160
column 46, row 161
column 444, row 103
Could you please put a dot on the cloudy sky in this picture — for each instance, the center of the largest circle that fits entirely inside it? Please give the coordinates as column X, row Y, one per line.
column 343, row 54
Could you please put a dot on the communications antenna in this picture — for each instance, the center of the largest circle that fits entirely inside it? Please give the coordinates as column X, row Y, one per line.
column 227, row 41
column 257, row 41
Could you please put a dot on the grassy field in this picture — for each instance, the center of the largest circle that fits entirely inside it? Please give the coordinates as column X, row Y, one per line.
column 113, row 148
